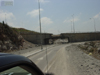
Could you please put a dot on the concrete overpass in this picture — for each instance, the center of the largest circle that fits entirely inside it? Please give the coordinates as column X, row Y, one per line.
column 79, row 37
column 54, row 38
column 35, row 38
column 72, row 37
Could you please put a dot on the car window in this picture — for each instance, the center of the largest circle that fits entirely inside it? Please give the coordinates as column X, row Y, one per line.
column 16, row 71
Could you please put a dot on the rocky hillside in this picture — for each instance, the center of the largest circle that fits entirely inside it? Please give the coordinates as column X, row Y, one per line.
column 9, row 38
column 23, row 30
column 92, row 48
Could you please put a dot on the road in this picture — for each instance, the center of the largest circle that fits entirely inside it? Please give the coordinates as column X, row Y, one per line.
column 67, row 59
column 40, row 59
column 64, row 59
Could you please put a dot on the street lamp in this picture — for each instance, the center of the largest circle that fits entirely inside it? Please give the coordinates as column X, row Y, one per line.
column 94, row 24
column 94, row 27
column 71, row 26
column 73, row 23
column 5, row 18
column 40, row 24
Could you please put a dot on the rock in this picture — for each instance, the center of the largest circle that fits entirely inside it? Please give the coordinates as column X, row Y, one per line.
column 1, row 42
column 97, row 45
column 20, row 47
column 98, row 50
column 20, row 37
column 87, row 66
column 15, row 47
column 90, row 49
column 92, row 44
column 84, row 47
column 87, row 43
column 9, row 46
column 4, row 47
column 92, row 63
column 5, row 42
column 0, row 47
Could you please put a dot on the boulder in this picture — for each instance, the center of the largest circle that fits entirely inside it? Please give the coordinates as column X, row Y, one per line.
column 97, row 45
column 9, row 46
column 98, row 50
column 92, row 44
column 87, row 43
column 4, row 47
column 1, row 42
column 6, row 42
column 0, row 47
column 15, row 47
column 90, row 49
column 83, row 47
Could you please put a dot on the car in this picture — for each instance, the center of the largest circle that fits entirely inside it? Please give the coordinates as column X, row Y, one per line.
column 11, row 64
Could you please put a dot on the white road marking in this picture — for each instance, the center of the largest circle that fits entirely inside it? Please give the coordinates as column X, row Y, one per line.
column 40, row 58
column 46, row 70
column 43, row 56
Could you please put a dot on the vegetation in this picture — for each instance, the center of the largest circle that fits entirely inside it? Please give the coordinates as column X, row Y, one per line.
column 7, row 33
column 11, row 39
column 22, row 30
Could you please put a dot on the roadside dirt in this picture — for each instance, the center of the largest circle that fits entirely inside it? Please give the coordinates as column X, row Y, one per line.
column 92, row 48
column 71, row 60
column 59, row 65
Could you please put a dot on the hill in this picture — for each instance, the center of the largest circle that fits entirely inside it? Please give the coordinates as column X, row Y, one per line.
column 23, row 30
column 9, row 38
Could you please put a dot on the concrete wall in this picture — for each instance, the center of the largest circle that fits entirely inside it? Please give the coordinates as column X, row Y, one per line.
column 35, row 38
column 78, row 37
column 72, row 37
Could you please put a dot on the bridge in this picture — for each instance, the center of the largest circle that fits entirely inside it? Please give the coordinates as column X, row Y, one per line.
column 48, row 38
column 36, row 38
column 80, row 37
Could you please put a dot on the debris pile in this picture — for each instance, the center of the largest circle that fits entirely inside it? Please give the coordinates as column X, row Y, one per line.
column 91, row 48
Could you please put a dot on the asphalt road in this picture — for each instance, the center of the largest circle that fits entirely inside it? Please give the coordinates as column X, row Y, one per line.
column 40, row 59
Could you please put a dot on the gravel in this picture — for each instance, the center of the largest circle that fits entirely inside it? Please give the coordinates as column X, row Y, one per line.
column 71, row 60
column 81, row 63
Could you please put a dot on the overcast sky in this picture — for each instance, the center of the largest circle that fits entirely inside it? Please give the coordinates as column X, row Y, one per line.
column 56, row 15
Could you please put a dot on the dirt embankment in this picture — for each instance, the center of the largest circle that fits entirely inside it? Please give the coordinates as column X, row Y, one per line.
column 80, row 63
column 73, row 61
column 10, row 39
column 92, row 48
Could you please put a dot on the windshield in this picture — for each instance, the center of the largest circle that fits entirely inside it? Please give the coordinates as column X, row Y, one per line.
column 59, row 36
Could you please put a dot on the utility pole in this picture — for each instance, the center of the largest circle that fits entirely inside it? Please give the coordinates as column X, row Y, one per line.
column 73, row 24
column 40, row 24
column 71, row 27
column 94, row 27
column 5, row 18
column 94, row 24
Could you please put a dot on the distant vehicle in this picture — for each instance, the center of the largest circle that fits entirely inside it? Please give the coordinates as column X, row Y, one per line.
column 18, row 65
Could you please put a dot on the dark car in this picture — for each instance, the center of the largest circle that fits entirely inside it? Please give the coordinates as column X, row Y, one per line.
column 17, row 65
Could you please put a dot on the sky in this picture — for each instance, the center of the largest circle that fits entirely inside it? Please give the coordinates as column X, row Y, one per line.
column 57, row 16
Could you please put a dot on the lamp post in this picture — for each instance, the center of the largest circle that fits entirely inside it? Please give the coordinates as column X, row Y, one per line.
column 94, row 27
column 73, row 23
column 5, row 18
column 40, row 24
column 71, row 27
column 94, row 24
